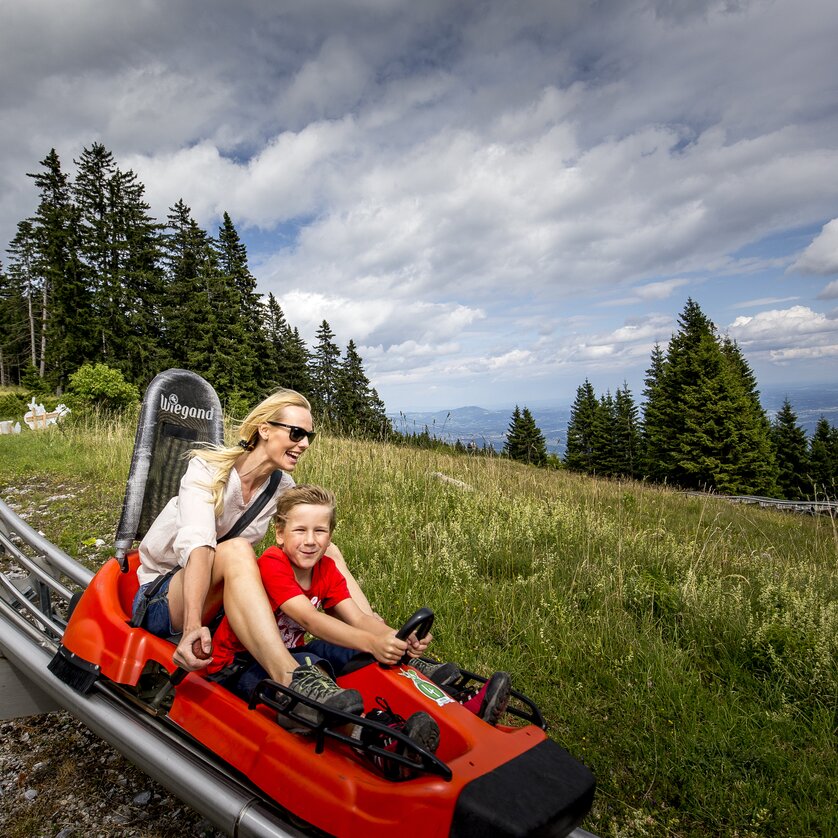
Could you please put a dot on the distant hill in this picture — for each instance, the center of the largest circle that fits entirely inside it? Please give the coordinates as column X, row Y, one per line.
column 485, row 427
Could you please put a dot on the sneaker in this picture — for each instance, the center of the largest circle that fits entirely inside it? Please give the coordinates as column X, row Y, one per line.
column 420, row 728
column 440, row 673
column 490, row 701
column 310, row 681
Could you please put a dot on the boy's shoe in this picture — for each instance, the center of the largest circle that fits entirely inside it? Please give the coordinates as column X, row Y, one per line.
column 310, row 681
column 420, row 727
column 440, row 673
column 490, row 701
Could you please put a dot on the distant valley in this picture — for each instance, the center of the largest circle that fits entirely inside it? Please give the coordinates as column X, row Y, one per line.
column 489, row 427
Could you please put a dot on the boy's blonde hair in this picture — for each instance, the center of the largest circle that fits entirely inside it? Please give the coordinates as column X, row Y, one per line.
column 305, row 495
column 223, row 456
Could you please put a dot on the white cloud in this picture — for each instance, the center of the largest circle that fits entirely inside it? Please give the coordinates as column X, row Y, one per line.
column 821, row 256
column 830, row 292
column 786, row 334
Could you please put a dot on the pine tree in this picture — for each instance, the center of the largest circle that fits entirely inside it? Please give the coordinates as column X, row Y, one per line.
column 68, row 333
column 277, row 334
column 747, row 450
column 119, row 250
column 823, row 461
column 297, row 359
column 513, row 446
column 202, row 312
column 357, row 408
column 704, row 427
column 232, row 258
column 25, row 308
column 13, row 330
column 626, row 433
column 791, row 454
column 579, row 452
column 325, row 374
column 603, row 437
column 524, row 441
column 654, row 435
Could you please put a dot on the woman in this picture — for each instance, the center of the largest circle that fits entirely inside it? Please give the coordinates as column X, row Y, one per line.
column 188, row 574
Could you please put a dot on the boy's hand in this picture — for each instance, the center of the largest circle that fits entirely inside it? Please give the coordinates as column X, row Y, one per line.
column 185, row 656
column 415, row 647
column 387, row 648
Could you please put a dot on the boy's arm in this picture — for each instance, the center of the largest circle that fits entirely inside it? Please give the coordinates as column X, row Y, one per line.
column 382, row 643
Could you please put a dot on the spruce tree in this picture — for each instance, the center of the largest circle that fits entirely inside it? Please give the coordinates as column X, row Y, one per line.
column 823, row 461
column 277, row 334
column 603, row 437
column 232, row 259
column 297, row 359
column 13, row 330
column 524, row 440
column 357, row 408
column 513, row 445
column 68, row 334
column 626, row 433
column 704, row 427
column 325, row 374
column 655, row 453
column 25, row 282
column 119, row 249
column 791, row 453
column 579, row 452
column 747, row 440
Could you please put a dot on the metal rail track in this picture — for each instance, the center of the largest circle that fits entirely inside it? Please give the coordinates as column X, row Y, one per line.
column 37, row 583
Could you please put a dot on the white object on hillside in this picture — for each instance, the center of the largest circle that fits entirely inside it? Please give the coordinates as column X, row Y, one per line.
column 37, row 416
column 6, row 427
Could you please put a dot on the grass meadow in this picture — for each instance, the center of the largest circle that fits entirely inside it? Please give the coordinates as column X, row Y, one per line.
column 684, row 648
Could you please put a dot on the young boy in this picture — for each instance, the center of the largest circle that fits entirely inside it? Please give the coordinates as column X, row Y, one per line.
column 300, row 580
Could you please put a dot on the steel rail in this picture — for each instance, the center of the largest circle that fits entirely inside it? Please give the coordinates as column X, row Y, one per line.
column 11, row 548
column 54, row 555
column 232, row 805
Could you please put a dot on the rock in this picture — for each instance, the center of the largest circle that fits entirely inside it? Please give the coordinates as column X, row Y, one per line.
column 142, row 799
column 30, row 794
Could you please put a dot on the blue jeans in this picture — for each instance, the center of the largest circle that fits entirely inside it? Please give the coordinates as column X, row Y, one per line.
column 157, row 618
column 331, row 657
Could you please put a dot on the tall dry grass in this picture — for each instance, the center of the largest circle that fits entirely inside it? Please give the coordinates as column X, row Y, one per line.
column 683, row 647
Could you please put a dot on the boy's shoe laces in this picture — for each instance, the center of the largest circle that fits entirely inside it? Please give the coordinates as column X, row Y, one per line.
column 310, row 681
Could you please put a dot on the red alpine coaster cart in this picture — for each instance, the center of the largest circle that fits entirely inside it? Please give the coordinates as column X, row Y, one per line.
column 504, row 780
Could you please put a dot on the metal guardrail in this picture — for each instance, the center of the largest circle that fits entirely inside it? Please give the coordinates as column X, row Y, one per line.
column 810, row 507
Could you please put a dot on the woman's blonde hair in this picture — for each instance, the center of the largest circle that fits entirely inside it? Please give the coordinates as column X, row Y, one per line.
column 305, row 495
column 225, row 456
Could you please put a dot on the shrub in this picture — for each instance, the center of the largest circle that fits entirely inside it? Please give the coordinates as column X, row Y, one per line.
column 102, row 386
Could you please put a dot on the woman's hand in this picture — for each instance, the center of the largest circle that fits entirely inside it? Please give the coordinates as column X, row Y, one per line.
column 198, row 641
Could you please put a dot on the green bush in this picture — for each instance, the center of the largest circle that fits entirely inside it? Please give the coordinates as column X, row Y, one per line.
column 103, row 387
column 13, row 406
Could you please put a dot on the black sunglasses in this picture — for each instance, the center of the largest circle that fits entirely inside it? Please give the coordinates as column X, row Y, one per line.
column 295, row 434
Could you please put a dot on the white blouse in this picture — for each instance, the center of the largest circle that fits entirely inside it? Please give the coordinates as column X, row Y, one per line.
column 188, row 520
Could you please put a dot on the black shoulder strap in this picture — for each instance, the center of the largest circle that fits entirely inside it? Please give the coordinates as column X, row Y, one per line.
column 258, row 505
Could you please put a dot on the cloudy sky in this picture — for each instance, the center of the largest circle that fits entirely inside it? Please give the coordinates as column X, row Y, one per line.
column 495, row 200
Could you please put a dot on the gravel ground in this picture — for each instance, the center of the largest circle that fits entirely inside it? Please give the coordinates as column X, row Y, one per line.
column 59, row 779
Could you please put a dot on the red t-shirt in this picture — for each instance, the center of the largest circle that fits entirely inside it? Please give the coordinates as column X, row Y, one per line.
column 328, row 588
